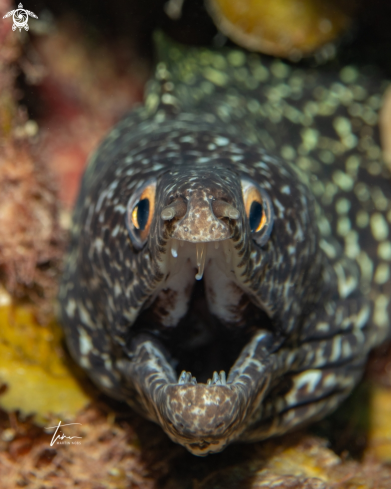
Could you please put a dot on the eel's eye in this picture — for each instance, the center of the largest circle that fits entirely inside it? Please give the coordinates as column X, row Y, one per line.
column 139, row 213
column 259, row 211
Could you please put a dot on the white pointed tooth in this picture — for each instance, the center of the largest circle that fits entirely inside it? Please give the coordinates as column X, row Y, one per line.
column 182, row 377
column 223, row 378
column 209, row 382
column 174, row 247
column 200, row 257
column 216, row 378
column 186, row 378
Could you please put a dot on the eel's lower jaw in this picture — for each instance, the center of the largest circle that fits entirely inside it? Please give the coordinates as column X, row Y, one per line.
column 202, row 417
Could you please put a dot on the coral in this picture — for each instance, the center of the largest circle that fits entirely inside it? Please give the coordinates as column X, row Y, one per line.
column 31, row 242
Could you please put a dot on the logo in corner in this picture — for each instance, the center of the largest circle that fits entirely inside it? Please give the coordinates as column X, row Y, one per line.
column 59, row 437
column 20, row 17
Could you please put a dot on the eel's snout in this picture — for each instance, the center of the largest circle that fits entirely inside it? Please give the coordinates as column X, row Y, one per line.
column 200, row 417
column 203, row 205
column 204, row 219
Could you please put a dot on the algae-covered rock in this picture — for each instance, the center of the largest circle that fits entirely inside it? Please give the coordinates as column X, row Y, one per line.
column 107, row 456
column 287, row 28
column 33, row 367
column 31, row 241
column 295, row 461
column 379, row 436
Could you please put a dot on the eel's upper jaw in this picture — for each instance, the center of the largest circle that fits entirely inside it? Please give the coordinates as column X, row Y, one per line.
column 202, row 417
column 202, row 240
column 218, row 263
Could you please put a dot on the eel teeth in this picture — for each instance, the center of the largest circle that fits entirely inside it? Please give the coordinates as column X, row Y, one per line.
column 174, row 247
column 223, row 378
column 201, row 257
column 218, row 379
column 186, row 378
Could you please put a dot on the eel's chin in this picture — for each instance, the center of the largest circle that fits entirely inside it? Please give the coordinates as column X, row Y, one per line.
column 202, row 417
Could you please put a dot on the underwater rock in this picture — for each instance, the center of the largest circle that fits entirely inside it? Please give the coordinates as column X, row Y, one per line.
column 287, row 28
column 34, row 374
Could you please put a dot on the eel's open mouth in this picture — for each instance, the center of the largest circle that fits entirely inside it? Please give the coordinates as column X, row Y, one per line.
column 199, row 361
column 201, row 315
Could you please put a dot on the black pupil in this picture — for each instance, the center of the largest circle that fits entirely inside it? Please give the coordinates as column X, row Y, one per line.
column 142, row 213
column 255, row 215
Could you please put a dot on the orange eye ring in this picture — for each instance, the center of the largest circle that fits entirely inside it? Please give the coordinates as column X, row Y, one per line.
column 259, row 211
column 140, row 212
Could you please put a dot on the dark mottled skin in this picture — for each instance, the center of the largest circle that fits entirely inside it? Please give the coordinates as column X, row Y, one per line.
column 309, row 138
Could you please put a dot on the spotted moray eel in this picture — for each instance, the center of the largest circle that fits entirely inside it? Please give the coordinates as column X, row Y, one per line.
column 239, row 221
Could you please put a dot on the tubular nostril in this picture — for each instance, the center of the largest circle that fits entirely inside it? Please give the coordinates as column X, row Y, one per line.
column 223, row 209
column 176, row 209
